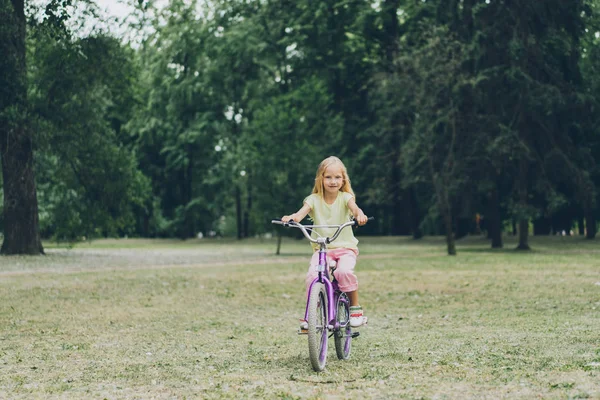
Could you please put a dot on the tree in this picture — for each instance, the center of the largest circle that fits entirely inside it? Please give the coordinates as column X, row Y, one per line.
column 433, row 152
column 21, row 220
column 589, row 132
column 80, row 97
column 543, row 74
column 177, row 123
column 392, row 108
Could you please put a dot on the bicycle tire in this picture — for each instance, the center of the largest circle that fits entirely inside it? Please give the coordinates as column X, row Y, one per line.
column 343, row 334
column 317, row 327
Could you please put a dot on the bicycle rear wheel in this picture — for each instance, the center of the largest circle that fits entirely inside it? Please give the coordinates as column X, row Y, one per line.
column 317, row 327
column 343, row 335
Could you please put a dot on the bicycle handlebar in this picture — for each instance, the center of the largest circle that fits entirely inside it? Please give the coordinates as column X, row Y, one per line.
column 328, row 240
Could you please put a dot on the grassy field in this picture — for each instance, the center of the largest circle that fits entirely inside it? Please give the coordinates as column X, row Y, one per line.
column 139, row 319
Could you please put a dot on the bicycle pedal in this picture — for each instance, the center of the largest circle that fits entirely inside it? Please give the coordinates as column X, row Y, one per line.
column 355, row 334
column 302, row 331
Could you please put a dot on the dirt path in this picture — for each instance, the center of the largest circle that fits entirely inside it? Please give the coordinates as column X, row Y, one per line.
column 81, row 261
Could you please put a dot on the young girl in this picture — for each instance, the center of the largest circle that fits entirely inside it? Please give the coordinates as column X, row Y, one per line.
column 332, row 203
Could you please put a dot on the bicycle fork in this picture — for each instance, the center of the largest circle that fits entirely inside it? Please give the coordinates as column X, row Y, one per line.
column 323, row 273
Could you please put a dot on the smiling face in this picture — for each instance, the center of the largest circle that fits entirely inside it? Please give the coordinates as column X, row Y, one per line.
column 333, row 179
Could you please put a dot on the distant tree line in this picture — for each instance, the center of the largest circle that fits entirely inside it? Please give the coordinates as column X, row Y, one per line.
column 453, row 117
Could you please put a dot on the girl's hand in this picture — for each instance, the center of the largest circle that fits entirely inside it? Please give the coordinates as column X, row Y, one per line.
column 287, row 218
column 361, row 219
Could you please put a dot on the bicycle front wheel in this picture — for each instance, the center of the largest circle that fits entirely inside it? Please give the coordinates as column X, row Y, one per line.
column 317, row 327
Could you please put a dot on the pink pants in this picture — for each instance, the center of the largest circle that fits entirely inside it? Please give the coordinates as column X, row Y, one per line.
column 344, row 273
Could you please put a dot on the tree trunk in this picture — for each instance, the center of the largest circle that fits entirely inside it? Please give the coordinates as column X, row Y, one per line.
column 397, row 210
column 493, row 219
column 238, row 211
column 188, row 225
column 451, row 244
column 415, row 215
column 590, row 224
column 580, row 225
column 247, row 212
column 279, row 237
column 523, row 234
column 588, row 214
column 446, row 212
column 21, row 223
column 523, row 221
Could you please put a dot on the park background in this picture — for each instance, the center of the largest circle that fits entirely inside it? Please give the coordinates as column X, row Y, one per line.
column 469, row 127
column 190, row 118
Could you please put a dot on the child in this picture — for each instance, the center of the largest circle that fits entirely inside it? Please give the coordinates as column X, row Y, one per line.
column 332, row 203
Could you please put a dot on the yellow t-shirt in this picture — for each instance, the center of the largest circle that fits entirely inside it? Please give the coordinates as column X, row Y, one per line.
column 332, row 214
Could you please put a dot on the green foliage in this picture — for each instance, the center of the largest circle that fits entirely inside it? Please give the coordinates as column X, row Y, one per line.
column 88, row 181
column 176, row 123
column 289, row 136
column 217, row 121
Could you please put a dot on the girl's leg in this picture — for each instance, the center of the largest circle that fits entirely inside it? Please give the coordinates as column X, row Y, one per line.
column 344, row 273
column 353, row 296
column 348, row 283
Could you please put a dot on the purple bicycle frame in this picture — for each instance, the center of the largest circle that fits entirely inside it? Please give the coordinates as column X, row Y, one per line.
column 330, row 288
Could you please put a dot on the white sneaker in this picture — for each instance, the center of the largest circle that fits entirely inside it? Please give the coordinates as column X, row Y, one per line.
column 303, row 327
column 356, row 317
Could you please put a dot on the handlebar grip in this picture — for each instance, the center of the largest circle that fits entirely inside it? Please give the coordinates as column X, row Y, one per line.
column 368, row 220
column 280, row 222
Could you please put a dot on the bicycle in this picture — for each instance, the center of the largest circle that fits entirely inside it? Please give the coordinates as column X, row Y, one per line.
column 327, row 307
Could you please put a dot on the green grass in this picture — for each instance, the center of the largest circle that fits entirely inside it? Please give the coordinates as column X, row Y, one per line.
column 217, row 319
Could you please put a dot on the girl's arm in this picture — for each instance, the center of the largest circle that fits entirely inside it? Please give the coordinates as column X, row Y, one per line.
column 298, row 215
column 359, row 215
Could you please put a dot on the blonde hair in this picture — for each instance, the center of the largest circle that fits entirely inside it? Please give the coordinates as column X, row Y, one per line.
column 326, row 163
